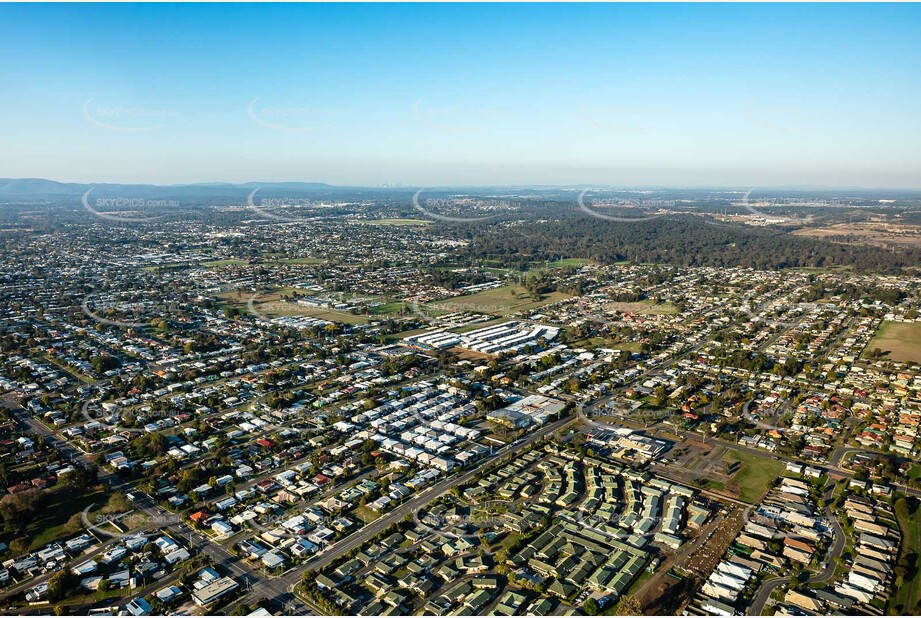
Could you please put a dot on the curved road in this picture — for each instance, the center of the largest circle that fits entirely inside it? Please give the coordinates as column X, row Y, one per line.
column 281, row 587
column 834, row 552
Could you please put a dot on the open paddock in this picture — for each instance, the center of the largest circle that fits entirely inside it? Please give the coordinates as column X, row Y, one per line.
column 899, row 341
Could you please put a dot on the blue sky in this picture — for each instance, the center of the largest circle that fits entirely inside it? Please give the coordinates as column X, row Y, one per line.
column 731, row 95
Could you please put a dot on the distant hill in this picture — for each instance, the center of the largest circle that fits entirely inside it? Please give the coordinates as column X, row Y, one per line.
column 38, row 186
column 43, row 188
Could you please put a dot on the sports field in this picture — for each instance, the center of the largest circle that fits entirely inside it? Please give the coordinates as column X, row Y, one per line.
column 906, row 588
column 899, row 341
column 569, row 263
column 502, row 301
column 277, row 303
column 275, row 308
column 755, row 475
column 407, row 222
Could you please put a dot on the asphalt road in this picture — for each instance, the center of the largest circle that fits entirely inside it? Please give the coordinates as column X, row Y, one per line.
column 289, row 580
column 258, row 585
column 280, row 588
column 784, row 458
column 769, row 586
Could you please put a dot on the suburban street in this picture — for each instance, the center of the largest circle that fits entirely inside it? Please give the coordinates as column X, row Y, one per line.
column 768, row 586
column 333, row 552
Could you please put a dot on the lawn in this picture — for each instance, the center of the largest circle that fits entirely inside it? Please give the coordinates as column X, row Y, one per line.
column 411, row 222
column 501, row 301
column 638, row 583
column 914, row 471
column 469, row 327
column 394, row 306
column 242, row 296
column 365, row 514
column 569, row 263
column 62, row 504
column 602, row 342
column 274, row 308
column 507, row 541
column 900, row 341
column 755, row 475
column 409, row 333
column 905, row 597
column 273, row 304
column 71, row 370
column 219, row 263
column 281, row 259
column 712, row 485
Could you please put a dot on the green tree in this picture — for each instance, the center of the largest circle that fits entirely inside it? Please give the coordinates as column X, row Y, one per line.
column 627, row 606
column 61, row 585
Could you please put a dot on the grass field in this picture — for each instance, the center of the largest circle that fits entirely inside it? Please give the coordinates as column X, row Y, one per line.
column 365, row 514
column 755, row 475
column 499, row 301
column 388, row 308
column 915, row 471
column 63, row 503
column 878, row 233
column 241, row 297
column 409, row 333
column 411, row 222
column 569, row 263
column 645, row 307
column 303, row 260
column 469, row 327
column 900, row 341
column 905, row 594
column 275, row 308
column 218, row 263
column 639, row 582
column 273, row 305
column 602, row 342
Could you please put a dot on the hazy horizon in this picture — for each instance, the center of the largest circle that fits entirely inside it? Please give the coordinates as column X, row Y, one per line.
column 548, row 186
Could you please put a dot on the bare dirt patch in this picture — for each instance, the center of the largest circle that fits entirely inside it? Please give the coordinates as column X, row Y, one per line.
column 877, row 233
